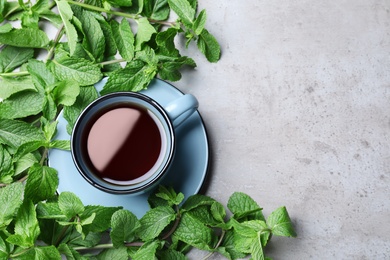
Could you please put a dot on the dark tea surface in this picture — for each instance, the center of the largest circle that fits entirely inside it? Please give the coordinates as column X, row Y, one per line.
column 124, row 144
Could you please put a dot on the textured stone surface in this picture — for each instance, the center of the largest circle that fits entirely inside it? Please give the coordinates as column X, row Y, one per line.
column 298, row 114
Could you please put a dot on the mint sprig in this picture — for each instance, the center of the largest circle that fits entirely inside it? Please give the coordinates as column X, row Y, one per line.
column 132, row 42
column 33, row 225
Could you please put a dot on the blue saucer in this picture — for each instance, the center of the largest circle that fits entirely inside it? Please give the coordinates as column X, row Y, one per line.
column 187, row 173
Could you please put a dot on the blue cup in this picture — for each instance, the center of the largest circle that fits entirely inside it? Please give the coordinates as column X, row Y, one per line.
column 124, row 142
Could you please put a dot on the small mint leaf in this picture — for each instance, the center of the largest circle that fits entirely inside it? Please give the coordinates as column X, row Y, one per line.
column 280, row 223
column 70, row 204
column 124, row 225
column 209, row 46
column 41, row 183
column 243, row 206
column 10, row 201
column 155, row 221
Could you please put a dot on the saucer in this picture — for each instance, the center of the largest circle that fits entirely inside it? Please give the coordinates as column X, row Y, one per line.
column 186, row 174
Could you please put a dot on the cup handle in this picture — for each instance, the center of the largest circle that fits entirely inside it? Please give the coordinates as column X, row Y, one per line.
column 180, row 109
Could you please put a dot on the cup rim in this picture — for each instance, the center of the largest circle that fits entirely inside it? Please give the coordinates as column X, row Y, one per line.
column 124, row 189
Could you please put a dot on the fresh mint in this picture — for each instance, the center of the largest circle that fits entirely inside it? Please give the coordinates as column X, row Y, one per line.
column 131, row 42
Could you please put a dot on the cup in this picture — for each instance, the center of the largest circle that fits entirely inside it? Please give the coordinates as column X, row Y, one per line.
column 124, row 142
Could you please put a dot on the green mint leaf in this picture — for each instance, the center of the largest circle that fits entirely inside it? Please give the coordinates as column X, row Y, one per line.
column 218, row 212
column 165, row 42
column 170, row 70
column 228, row 247
column 171, row 255
column 6, row 165
column 41, row 183
column 49, row 107
column 22, row 104
column 82, row 71
column 5, row 247
column 66, row 14
column 28, row 147
column 90, row 240
column 111, row 48
column 10, row 200
column 60, row 144
column 155, row 221
column 24, row 162
column 15, row 133
column 71, row 113
column 147, row 251
column 169, row 194
column 69, row 252
column 156, row 9
column 10, row 86
column 94, row 40
column 49, row 210
column 134, row 77
column 66, row 92
column 49, row 128
column 193, row 232
column 113, row 253
column 124, row 225
column 243, row 206
column 102, row 219
column 195, row 201
column 184, row 10
column 25, row 37
column 124, row 38
column 200, row 22
column 39, row 253
column 12, row 57
column 70, row 204
column 280, row 223
column 42, row 78
column 209, row 46
column 144, row 33
column 26, row 226
column 120, row 3
column 5, row 28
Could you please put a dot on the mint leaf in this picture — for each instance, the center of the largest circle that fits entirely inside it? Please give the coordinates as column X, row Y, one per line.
column 193, row 232
column 134, row 77
column 6, row 165
column 172, row 255
column 165, row 42
column 147, row 251
column 60, row 144
column 42, row 78
column 66, row 14
column 25, row 37
column 113, row 253
column 12, row 57
column 10, row 86
column 280, row 223
column 209, row 46
column 156, row 9
column 10, row 200
column 66, row 92
column 144, row 33
column 26, row 226
column 80, row 70
column 155, row 221
column 170, row 70
column 22, row 104
column 184, row 10
column 15, row 133
column 169, row 194
column 71, row 113
column 39, row 253
column 200, row 22
column 243, row 206
column 41, row 183
column 93, row 34
column 124, row 38
column 70, row 204
column 102, row 219
column 24, row 162
column 120, row 2
column 5, row 247
column 197, row 200
column 124, row 225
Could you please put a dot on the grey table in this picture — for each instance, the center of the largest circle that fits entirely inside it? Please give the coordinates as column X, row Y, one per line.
column 298, row 114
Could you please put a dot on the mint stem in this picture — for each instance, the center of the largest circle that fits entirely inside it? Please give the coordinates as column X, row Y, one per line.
column 102, row 10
